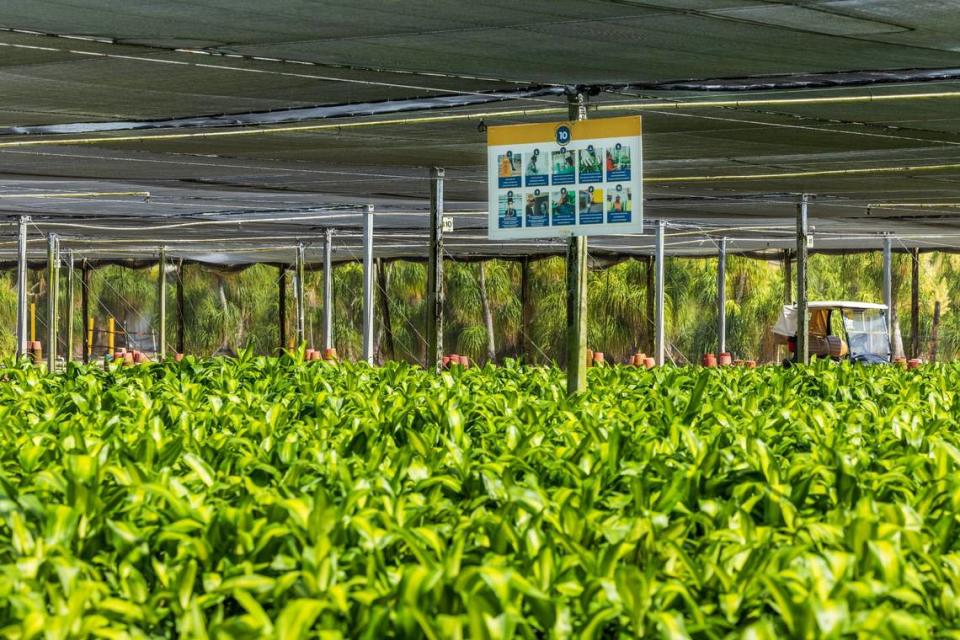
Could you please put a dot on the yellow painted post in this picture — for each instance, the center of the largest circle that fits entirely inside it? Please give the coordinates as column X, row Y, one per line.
column 33, row 321
column 111, row 335
column 89, row 336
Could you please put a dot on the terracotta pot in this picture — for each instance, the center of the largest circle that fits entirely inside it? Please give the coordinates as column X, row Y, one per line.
column 914, row 363
column 454, row 360
column 464, row 362
column 638, row 358
column 738, row 363
column 118, row 355
column 598, row 357
column 709, row 360
column 725, row 359
column 178, row 357
column 308, row 354
column 649, row 363
column 445, row 362
column 139, row 358
column 330, row 354
column 750, row 364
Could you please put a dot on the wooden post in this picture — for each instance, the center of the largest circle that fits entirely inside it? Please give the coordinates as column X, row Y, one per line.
column 53, row 294
column 576, row 285
column 33, row 321
column 70, row 305
column 435, row 273
column 787, row 277
column 915, row 303
column 648, row 319
column 803, row 321
column 162, row 294
column 111, row 335
column 934, row 332
column 282, row 304
column 85, row 311
column 526, row 312
column 383, row 284
column 181, row 329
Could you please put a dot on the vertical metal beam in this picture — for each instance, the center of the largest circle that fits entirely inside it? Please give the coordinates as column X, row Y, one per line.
column 888, row 284
column 722, row 296
column 298, row 289
column 368, row 285
column 22, row 286
column 282, row 304
column 328, row 289
column 70, row 305
column 162, row 294
column 803, row 320
column 649, row 313
column 383, row 285
column 53, row 289
column 576, row 284
column 526, row 312
column 85, row 310
column 659, row 331
column 915, row 303
column 181, row 311
column 435, row 273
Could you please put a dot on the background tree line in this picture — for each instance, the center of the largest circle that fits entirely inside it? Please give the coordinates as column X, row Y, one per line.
column 237, row 309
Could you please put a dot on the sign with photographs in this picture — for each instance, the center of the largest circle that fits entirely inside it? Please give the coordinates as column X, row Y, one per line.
column 565, row 178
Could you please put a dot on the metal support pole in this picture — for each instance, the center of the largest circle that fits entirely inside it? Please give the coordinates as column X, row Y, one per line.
column 915, row 303
column 85, row 310
column 787, row 277
column 659, row 331
column 70, row 305
column 368, row 285
column 53, row 287
column 181, row 312
column 649, row 313
column 803, row 320
column 722, row 296
column 162, row 294
column 328, row 289
column 282, row 304
column 526, row 312
column 435, row 273
column 576, row 284
column 888, row 284
column 22, row 286
column 299, row 288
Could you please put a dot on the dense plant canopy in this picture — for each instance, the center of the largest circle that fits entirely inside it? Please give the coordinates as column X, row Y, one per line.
column 259, row 496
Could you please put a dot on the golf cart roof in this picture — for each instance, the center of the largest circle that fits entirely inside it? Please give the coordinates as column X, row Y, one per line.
column 787, row 323
column 842, row 304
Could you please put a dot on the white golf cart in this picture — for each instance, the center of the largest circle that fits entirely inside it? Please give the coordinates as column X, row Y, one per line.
column 839, row 329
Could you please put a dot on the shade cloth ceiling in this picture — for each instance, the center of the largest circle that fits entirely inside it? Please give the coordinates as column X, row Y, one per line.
column 349, row 103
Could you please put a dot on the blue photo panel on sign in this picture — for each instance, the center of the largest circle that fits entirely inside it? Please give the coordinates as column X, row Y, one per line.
column 563, row 211
column 563, row 169
column 591, row 205
column 619, row 203
column 618, row 163
column 509, row 169
column 537, row 170
column 508, row 215
column 591, row 168
column 536, row 211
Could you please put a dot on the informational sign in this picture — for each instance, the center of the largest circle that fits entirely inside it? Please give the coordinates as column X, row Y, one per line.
column 565, row 178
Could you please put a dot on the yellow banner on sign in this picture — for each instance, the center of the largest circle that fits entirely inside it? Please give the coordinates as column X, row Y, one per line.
column 578, row 130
